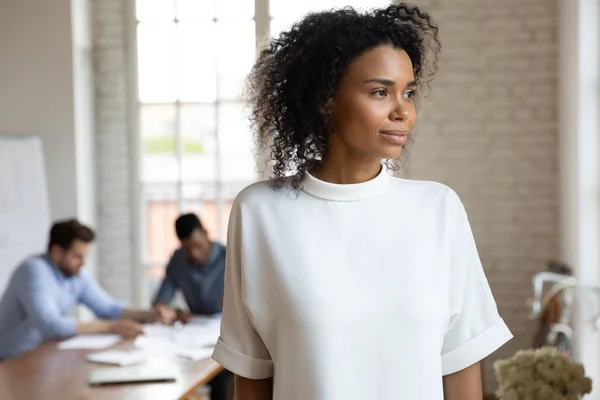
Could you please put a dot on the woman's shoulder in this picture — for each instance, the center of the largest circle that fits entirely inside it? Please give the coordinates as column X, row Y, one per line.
column 263, row 192
column 255, row 191
column 426, row 190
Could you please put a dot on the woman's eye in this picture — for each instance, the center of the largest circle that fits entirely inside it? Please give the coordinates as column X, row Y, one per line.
column 380, row 92
column 408, row 94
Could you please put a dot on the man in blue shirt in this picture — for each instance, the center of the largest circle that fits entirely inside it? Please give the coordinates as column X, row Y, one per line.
column 197, row 268
column 43, row 289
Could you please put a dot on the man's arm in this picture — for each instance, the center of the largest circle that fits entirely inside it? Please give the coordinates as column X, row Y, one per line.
column 93, row 296
column 168, row 287
column 140, row 315
column 162, row 309
column 464, row 385
column 35, row 295
column 99, row 326
column 250, row 389
column 127, row 328
column 161, row 303
column 105, row 307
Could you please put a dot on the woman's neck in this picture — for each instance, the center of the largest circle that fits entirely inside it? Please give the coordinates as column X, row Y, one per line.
column 344, row 172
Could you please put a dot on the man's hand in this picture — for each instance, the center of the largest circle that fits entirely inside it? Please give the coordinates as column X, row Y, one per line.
column 127, row 328
column 164, row 314
column 182, row 316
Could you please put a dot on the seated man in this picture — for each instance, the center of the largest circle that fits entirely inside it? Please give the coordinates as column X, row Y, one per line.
column 197, row 268
column 43, row 289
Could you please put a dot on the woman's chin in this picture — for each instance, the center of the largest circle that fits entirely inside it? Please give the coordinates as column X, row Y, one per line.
column 391, row 153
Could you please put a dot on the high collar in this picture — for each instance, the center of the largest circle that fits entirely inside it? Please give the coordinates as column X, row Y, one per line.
column 345, row 192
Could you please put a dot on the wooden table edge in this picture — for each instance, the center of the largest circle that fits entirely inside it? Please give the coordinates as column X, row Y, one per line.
column 216, row 371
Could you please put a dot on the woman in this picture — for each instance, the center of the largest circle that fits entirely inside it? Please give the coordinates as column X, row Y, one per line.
column 342, row 282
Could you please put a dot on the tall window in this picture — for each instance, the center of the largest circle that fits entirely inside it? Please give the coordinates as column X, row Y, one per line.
column 285, row 12
column 197, row 149
column 196, row 146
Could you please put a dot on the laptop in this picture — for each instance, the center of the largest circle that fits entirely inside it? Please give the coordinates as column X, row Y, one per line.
column 146, row 373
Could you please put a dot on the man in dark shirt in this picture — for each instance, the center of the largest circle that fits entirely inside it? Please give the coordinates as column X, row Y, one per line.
column 197, row 268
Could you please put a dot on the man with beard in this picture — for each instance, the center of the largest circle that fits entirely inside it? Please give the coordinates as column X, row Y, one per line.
column 42, row 291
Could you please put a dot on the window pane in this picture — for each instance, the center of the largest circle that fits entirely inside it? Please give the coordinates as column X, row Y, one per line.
column 281, row 24
column 227, row 205
column 195, row 10
column 198, row 133
column 160, row 206
column 235, row 9
column 297, row 9
column 236, row 52
column 158, row 130
column 156, row 62
column 197, row 124
column 284, row 13
column 202, row 200
column 294, row 9
column 155, row 10
column 197, row 66
column 157, row 126
column 237, row 159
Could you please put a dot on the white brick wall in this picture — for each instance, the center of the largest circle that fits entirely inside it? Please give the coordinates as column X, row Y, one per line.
column 115, row 242
column 489, row 130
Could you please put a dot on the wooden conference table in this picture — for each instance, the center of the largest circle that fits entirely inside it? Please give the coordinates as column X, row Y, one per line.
column 52, row 374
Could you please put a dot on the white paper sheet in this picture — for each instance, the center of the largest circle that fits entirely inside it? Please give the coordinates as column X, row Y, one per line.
column 9, row 189
column 191, row 339
column 197, row 333
column 195, row 354
column 89, row 342
column 155, row 343
column 188, row 340
column 213, row 320
column 119, row 357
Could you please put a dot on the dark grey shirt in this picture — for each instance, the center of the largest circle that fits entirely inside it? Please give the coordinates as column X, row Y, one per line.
column 201, row 285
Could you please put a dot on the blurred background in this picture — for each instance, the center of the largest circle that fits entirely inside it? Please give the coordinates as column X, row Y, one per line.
column 137, row 103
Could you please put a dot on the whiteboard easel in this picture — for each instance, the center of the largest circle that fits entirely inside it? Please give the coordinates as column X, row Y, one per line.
column 24, row 203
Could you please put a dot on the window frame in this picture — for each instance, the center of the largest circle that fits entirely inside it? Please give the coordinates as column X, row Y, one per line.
column 140, row 265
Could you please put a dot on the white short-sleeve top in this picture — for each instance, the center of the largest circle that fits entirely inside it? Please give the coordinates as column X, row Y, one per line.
column 350, row 292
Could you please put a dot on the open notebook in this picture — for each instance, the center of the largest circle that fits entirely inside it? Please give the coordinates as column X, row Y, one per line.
column 119, row 357
column 132, row 374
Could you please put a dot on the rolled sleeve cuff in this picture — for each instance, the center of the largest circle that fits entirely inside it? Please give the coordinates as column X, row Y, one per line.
column 476, row 349
column 240, row 363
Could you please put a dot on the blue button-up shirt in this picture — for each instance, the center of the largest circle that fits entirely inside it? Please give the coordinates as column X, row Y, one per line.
column 201, row 285
column 36, row 304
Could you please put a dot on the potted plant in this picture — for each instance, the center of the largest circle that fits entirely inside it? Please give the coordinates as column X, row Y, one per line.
column 541, row 374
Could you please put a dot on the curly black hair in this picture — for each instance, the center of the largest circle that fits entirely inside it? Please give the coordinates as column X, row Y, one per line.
column 290, row 85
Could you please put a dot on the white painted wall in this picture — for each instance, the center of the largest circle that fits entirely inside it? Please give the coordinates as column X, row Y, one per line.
column 36, row 88
column 489, row 130
column 46, row 89
column 579, row 159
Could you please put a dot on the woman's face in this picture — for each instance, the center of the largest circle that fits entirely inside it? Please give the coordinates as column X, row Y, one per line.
column 372, row 109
